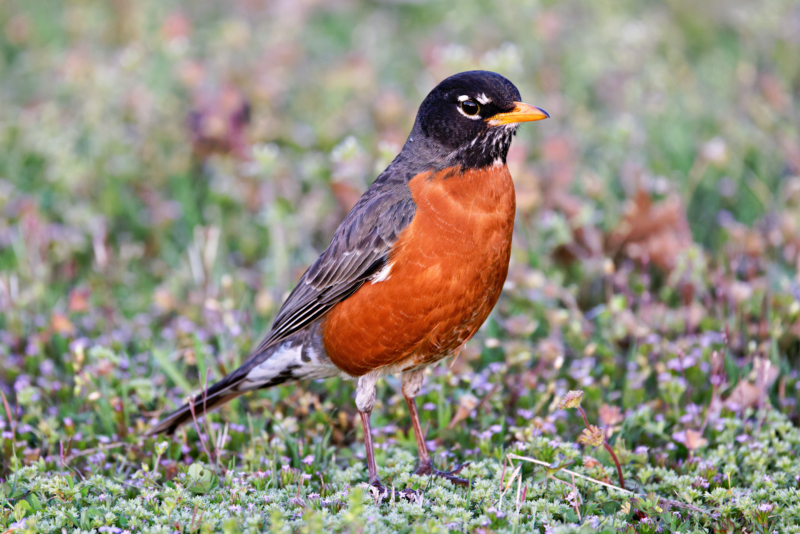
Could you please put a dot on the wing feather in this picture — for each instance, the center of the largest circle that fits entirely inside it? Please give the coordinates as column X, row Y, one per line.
column 359, row 249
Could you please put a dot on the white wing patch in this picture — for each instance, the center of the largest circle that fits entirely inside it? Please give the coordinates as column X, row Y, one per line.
column 383, row 274
column 286, row 364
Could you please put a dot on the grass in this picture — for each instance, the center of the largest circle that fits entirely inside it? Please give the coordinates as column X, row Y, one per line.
column 148, row 233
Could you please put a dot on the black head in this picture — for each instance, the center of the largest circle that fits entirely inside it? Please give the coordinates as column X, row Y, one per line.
column 468, row 120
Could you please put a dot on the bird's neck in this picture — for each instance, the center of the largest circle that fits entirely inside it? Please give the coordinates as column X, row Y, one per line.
column 486, row 151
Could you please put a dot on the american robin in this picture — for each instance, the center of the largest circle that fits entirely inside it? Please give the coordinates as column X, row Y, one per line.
column 413, row 270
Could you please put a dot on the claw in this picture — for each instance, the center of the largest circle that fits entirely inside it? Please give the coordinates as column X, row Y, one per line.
column 411, row 495
column 379, row 493
column 428, row 469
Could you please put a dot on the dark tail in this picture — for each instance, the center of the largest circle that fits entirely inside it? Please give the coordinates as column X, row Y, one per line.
column 273, row 365
column 220, row 393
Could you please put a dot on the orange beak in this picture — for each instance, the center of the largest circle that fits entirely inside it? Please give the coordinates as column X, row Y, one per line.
column 521, row 113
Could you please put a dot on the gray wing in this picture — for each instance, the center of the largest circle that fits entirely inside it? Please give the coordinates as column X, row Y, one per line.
column 359, row 249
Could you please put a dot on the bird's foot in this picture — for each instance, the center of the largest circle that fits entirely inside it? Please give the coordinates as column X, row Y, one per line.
column 427, row 468
column 380, row 493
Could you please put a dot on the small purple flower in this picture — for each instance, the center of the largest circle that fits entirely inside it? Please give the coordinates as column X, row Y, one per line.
column 483, row 436
column 572, row 498
column 308, row 460
column 499, row 514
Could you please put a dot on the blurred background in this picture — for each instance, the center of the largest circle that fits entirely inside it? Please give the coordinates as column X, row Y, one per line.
column 168, row 170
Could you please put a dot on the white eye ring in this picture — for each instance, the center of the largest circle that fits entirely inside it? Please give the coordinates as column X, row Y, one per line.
column 473, row 116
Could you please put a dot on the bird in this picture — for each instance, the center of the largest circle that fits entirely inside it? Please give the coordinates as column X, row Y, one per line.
column 413, row 270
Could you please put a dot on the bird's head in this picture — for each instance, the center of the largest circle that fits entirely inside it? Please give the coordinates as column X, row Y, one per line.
column 468, row 120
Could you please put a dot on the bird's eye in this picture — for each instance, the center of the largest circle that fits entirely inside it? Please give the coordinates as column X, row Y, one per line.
column 470, row 107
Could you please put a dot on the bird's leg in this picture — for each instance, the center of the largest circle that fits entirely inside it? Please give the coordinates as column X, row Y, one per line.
column 365, row 400
column 372, row 467
column 412, row 382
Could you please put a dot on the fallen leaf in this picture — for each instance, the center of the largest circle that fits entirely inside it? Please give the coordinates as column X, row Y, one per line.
column 164, row 300
column 651, row 232
column 78, row 300
column 62, row 325
column 589, row 462
column 694, row 440
column 744, row 395
column 748, row 394
column 218, row 123
column 610, row 415
column 466, row 404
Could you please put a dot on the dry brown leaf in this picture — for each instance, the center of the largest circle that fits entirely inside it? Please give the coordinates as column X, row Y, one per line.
column 59, row 323
column 550, row 349
column 652, row 232
column 218, row 122
column 610, row 415
column 164, row 299
column 466, row 404
column 589, row 462
column 520, row 326
column 78, row 300
column 743, row 396
column 694, row 440
column 747, row 394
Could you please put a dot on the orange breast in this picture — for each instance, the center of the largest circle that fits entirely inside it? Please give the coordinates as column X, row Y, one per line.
column 447, row 270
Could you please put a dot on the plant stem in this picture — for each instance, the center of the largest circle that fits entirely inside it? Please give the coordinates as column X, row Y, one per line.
column 616, row 462
column 608, row 448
